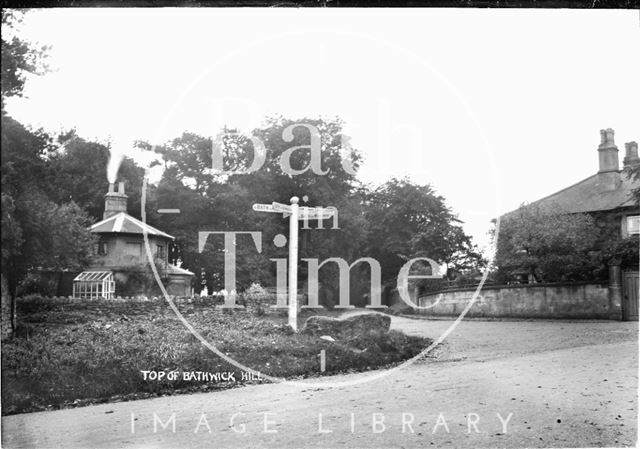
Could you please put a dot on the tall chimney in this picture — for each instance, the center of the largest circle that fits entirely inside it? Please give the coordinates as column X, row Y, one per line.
column 114, row 201
column 607, row 152
column 631, row 158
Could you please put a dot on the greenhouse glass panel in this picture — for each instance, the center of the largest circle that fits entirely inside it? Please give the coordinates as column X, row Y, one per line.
column 94, row 285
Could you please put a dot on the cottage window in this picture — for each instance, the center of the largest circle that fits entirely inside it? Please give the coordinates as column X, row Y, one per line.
column 633, row 224
column 102, row 248
column 160, row 251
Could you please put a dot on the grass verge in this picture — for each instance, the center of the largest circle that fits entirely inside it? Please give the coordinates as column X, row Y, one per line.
column 70, row 352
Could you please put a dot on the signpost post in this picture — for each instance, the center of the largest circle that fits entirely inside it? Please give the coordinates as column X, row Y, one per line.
column 293, row 212
column 293, row 265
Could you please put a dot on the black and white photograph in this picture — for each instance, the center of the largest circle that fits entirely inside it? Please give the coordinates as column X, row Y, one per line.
column 284, row 226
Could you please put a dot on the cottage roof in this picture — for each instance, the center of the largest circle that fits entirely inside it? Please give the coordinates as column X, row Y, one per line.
column 594, row 194
column 609, row 189
column 126, row 224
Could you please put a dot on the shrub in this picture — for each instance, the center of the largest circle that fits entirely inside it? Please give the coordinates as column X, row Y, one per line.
column 138, row 280
column 39, row 284
column 256, row 299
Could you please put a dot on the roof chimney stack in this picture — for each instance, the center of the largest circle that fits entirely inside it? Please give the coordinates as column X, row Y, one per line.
column 114, row 202
column 631, row 158
column 607, row 152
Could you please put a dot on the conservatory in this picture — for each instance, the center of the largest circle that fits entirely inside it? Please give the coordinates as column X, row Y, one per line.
column 94, row 284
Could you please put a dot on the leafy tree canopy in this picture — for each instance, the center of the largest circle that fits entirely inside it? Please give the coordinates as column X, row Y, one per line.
column 78, row 173
column 38, row 232
column 547, row 244
column 394, row 223
column 406, row 221
column 19, row 57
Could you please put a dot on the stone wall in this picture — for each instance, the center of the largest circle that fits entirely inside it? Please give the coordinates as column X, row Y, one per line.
column 575, row 300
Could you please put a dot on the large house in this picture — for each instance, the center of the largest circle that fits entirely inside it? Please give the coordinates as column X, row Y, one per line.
column 610, row 196
column 121, row 253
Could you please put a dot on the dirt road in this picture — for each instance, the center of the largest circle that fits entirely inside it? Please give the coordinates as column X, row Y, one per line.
column 493, row 384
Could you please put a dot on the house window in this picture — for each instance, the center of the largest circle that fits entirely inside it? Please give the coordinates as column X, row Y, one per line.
column 100, row 248
column 633, row 224
column 133, row 249
column 160, row 251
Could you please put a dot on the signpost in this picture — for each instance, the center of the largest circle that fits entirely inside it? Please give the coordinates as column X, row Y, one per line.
column 293, row 212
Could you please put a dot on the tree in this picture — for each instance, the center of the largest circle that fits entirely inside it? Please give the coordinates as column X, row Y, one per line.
column 547, row 244
column 19, row 57
column 56, row 236
column 188, row 157
column 623, row 251
column 223, row 201
column 37, row 232
column 407, row 221
column 77, row 170
column 393, row 224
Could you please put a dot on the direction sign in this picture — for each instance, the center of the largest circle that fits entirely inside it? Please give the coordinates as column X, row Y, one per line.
column 264, row 208
column 279, row 207
column 314, row 214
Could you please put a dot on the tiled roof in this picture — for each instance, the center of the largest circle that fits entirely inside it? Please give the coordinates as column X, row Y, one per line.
column 593, row 194
column 126, row 224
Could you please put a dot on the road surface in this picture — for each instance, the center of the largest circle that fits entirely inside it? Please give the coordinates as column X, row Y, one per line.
column 493, row 384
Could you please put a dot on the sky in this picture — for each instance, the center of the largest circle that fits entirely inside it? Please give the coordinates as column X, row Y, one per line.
column 490, row 107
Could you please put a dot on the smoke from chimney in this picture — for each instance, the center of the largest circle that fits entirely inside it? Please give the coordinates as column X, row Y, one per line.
column 113, row 165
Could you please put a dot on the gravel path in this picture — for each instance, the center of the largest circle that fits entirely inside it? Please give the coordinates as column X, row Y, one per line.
column 554, row 384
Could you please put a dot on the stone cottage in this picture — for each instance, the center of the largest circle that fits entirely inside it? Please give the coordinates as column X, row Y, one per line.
column 120, row 253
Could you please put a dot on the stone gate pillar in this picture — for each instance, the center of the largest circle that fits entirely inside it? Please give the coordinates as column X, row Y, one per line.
column 615, row 288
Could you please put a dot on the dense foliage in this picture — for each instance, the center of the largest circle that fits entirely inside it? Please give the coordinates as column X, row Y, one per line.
column 393, row 223
column 544, row 244
column 19, row 58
